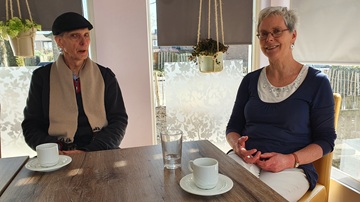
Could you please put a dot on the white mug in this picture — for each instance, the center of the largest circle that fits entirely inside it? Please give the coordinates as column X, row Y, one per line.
column 47, row 154
column 205, row 172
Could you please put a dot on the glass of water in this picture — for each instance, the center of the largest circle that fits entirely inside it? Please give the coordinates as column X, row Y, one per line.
column 171, row 143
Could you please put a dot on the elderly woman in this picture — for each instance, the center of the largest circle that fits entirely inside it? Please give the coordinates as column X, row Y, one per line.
column 74, row 101
column 283, row 117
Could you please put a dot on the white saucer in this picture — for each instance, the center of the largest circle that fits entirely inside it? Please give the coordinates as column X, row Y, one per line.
column 224, row 185
column 34, row 165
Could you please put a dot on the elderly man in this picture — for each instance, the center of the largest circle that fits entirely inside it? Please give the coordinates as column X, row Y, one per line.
column 74, row 101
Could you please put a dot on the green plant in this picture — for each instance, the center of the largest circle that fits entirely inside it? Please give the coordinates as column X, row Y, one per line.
column 15, row 25
column 207, row 47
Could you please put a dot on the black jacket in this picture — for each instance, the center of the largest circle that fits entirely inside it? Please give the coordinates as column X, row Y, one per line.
column 36, row 114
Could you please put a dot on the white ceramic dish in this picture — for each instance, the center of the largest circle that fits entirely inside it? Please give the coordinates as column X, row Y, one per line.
column 223, row 186
column 34, row 165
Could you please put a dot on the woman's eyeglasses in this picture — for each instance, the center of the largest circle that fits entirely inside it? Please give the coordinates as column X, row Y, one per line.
column 275, row 33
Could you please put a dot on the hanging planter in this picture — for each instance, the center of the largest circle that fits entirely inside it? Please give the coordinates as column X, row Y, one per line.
column 19, row 32
column 206, row 63
column 23, row 44
column 209, row 55
column 208, row 52
column 211, row 63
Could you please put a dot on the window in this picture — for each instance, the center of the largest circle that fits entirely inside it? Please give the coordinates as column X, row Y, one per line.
column 316, row 44
column 190, row 100
column 346, row 81
column 15, row 74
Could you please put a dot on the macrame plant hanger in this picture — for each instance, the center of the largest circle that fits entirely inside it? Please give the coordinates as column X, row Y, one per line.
column 23, row 44
column 212, row 63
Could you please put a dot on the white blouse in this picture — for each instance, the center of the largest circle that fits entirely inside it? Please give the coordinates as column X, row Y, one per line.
column 271, row 94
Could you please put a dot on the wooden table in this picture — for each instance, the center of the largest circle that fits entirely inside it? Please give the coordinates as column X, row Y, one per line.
column 133, row 174
column 9, row 167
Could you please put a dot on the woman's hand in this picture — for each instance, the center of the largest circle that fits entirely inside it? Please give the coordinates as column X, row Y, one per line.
column 249, row 156
column 275, row 162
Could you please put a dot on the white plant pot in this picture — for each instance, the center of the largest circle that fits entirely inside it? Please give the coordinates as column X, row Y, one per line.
column 23, row 45
column 213, row 63
column 206, row 63
column 218, row 61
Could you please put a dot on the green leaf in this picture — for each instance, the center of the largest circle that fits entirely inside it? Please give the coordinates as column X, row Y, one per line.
column 207, row 47
column 15, row 25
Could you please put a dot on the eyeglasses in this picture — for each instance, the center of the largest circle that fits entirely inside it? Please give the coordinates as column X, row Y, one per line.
column 276, row 33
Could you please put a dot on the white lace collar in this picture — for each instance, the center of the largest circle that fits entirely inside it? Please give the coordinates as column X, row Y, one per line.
column 271, row 94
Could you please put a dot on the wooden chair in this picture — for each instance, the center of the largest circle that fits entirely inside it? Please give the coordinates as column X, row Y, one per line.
column 323, row 167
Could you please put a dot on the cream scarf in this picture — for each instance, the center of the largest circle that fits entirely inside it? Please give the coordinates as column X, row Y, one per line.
column 63, row 109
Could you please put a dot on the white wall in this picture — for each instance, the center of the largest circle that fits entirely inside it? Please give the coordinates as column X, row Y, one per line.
column 121, row 35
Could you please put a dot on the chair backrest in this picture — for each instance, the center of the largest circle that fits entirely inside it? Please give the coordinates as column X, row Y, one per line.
column 324, row 164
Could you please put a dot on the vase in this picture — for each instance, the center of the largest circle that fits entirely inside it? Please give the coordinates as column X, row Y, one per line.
column 213, row 63
column 23, row 44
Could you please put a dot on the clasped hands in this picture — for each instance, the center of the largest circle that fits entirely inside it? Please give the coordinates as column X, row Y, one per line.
column 272, row 161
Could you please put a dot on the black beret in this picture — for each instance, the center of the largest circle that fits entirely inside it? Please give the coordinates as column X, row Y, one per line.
column 69, row 21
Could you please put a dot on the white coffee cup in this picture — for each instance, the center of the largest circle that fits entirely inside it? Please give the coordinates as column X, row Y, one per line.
column 47, row 154
column 205, row 172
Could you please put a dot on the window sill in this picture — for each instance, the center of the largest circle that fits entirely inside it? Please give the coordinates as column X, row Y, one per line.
column 345, row 180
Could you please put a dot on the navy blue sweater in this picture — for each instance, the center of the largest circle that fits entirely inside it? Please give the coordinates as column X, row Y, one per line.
column 306, row 117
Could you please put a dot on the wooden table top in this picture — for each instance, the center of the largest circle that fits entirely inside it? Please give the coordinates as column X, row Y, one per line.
column 133, row 174
column 9, row 167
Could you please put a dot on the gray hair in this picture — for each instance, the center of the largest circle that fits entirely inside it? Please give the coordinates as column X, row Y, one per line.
column 289, row 16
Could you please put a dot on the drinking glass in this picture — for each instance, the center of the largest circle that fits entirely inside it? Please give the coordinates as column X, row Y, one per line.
column 171, row 143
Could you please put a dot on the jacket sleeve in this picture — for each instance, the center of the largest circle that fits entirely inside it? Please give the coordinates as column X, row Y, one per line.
column 36, row 119
column 110, row 136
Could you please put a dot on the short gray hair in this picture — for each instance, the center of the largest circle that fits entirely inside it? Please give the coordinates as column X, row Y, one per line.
column 289, row 16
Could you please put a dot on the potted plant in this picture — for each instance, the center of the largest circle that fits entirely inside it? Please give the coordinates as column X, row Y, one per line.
column 208, row 55
column 21, row 34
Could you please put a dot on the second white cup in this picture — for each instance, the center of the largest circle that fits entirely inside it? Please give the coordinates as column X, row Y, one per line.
column 47, row 154
column 205, row 172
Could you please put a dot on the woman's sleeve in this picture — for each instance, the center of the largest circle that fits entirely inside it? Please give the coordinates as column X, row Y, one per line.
column 322, row 116
column 237, row 119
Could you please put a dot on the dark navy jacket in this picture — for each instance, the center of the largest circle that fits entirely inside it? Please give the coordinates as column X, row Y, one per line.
column 36, row 114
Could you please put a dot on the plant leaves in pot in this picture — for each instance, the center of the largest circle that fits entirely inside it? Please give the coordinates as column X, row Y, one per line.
column 21, row 34
column 208, row 57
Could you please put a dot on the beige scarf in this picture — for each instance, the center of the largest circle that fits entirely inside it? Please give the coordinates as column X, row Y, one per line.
column 63, row 109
